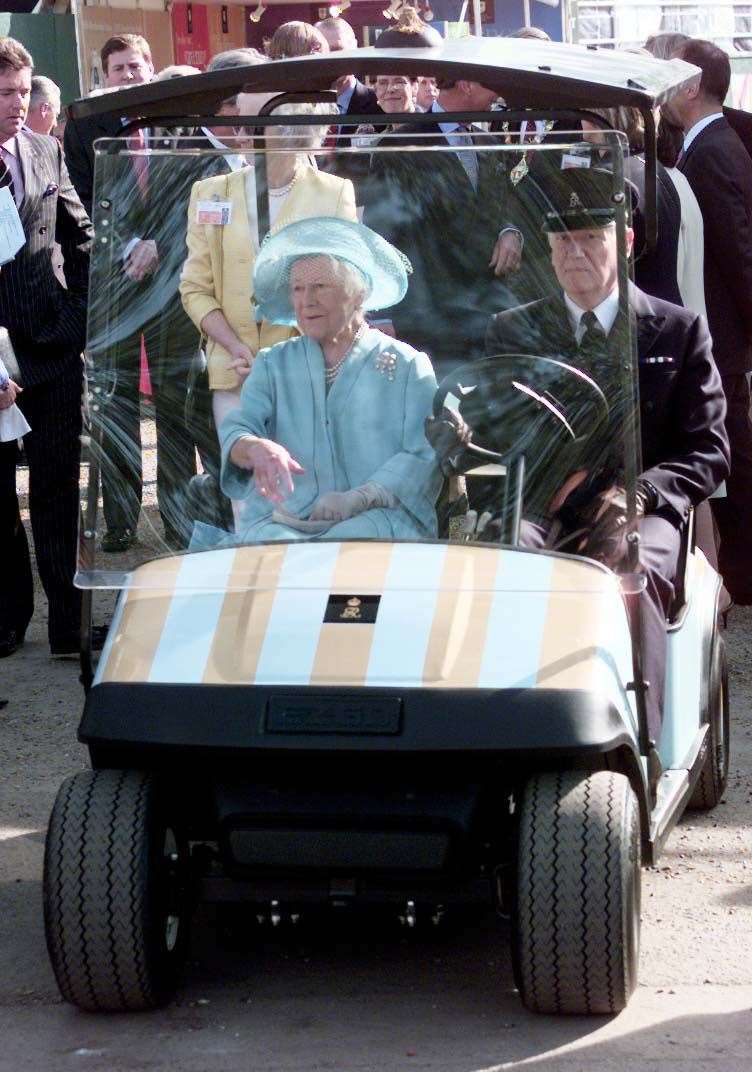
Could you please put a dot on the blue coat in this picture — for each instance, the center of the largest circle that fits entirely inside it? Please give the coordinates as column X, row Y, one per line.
column 369, row 427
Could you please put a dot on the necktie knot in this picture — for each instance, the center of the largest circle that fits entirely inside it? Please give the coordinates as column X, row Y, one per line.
column 590, row 322
column 6, row 178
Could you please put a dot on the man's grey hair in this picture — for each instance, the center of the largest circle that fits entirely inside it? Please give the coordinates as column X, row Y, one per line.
column 44, row 89
column 235, row 57
column 333, row 24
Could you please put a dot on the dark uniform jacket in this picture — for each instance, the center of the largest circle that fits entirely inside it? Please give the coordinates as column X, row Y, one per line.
column 719, row 170
column 46, row 321
column 685, row 451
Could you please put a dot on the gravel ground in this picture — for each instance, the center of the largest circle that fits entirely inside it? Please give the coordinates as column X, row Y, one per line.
column 365, row 1000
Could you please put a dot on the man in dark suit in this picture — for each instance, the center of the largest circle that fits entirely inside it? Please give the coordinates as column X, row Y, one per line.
column 452, row 214
column 46, row 323
column 719, row 171
column 126, row 61
column 142, row 210
column 353, row 98
column 684, row 444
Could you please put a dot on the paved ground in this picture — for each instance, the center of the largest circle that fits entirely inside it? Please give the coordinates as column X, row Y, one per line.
column 358, row 999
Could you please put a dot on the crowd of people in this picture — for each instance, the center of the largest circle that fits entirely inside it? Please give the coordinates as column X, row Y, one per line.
column 408, row 263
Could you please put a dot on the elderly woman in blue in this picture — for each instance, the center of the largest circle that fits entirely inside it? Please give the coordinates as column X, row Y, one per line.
column 329, row 438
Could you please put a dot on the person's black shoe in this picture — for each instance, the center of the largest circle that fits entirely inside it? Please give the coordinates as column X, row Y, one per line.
column 115, row 541
column 10, row 641
column 69, row 645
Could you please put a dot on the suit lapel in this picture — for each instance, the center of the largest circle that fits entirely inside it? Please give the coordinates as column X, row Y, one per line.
column 699, row 140
column 646, row 322
column 33, row 177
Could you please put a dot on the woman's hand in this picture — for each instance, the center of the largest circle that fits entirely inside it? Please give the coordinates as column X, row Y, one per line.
column 8, row 394
column 272, row 466
column 242, row 359
column 339, row 505
column 507, row 253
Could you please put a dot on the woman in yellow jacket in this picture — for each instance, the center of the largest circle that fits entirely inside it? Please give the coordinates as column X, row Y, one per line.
column 215, row 284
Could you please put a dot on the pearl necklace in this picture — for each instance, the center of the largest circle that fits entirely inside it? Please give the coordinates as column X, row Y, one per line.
column 330, row 371
column 283, row 191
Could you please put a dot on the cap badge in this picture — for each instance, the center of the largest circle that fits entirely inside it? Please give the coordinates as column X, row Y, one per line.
column 574, row 201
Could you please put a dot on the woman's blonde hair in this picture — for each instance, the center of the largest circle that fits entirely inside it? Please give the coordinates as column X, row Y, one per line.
column 295, row 135
column 295, row 39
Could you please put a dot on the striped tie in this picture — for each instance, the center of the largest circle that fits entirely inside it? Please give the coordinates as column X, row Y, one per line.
column 6, row 179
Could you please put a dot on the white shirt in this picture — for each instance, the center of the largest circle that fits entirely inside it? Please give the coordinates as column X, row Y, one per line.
column 277, row 198
column 449, row 130
column 605, row 314
column 344, row 98
column 698, row 128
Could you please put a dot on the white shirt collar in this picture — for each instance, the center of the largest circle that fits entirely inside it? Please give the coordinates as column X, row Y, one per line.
column 605, row 313
column 445, row 128
column 234, row 160
column 698, row 128
column 344, row 98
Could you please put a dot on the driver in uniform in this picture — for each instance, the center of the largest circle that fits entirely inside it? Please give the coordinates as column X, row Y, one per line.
column 685, row 451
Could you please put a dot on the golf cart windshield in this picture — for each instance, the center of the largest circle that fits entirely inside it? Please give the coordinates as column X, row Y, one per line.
column 319, row 338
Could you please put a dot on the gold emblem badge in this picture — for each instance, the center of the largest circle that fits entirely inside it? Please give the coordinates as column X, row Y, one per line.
column 352, row 609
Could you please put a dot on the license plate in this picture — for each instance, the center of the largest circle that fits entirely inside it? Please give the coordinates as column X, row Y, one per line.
column 346, row 715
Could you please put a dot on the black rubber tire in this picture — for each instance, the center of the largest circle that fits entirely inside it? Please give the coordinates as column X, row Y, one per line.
column 577, row 924
column 711, row 784
column 115, row 906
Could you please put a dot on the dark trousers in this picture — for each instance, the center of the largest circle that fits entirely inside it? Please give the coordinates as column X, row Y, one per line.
column 171, row 341
column 733, row 514
column 660, row 543
column 53, row 453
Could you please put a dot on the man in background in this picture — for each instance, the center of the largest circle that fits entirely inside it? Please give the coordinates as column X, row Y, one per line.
column 719, row 170
column 46, row 326
column 126, row 61
column 353, row 97
column 44, row 106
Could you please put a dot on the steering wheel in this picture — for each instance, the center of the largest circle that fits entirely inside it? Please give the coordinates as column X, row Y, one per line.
column 518, row 404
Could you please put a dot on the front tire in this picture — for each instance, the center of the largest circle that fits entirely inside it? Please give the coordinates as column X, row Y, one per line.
column 578, row 893
column 115, row 904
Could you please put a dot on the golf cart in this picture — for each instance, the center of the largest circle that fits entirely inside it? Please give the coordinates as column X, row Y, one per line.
column 413, row 724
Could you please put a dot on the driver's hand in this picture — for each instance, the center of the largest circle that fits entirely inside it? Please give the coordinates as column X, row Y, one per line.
column 507, row 253
column 604, row 519
column 448, row 434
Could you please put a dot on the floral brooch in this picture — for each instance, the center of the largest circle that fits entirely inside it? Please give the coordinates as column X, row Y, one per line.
column 386, row 363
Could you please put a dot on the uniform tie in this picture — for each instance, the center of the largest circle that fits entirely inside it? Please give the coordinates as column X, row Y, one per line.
column 593, row 348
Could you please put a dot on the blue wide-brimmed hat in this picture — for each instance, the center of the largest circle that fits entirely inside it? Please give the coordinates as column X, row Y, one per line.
column 383, row 268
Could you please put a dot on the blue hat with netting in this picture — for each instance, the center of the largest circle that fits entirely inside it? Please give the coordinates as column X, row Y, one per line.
column 383, row 268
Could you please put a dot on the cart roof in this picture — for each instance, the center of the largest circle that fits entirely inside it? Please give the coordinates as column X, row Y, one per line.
column 544, row 74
